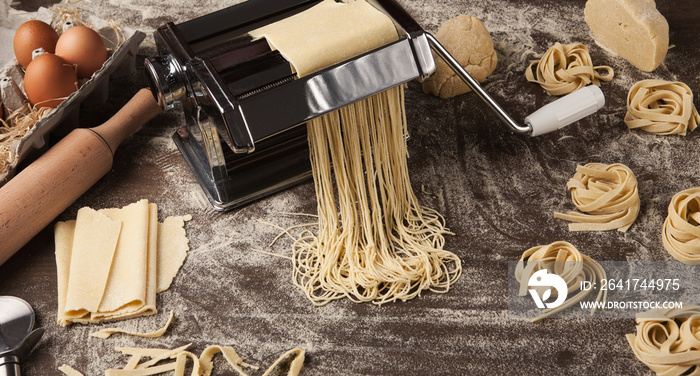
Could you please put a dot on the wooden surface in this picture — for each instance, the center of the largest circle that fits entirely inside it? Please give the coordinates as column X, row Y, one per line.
column 496, row 189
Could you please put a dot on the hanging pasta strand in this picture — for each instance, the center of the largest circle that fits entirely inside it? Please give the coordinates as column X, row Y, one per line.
column 375, row 242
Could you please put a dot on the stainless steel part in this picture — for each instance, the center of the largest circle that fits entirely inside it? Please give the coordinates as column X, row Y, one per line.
column 9, row 366
column 474, row 85
column 225, row 131
column 16, row 324
column 223, row 128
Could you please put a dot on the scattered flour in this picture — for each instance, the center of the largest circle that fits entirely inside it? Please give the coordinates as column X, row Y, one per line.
column 497, row 191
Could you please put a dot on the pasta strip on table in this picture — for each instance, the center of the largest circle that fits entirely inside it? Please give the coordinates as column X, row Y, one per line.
column 105, row 333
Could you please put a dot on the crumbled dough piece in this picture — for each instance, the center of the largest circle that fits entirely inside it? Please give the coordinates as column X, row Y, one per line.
column 633, row 29
column 466, row 38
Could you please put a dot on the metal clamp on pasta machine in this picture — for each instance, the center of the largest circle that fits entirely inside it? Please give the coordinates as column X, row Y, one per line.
column 246, row 110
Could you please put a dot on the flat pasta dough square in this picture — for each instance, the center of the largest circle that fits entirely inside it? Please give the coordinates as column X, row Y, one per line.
column 107, row 262
column 328, row 33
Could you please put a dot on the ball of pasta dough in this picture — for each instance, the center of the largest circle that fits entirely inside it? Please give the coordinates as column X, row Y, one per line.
column 467, row 39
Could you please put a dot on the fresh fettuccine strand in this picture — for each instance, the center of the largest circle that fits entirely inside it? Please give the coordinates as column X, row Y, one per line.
column 105, row 333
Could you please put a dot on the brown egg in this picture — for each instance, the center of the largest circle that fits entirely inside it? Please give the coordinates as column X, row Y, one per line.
column 48, row 80
column 30, row 36
column 82, row 46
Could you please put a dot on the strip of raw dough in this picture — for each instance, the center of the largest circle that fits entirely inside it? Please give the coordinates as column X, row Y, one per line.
column 563, row 259
column 69, row 371
column 156, row 355
column 63, row 237
column 105, row 333
column 608, row 193
column 172, row 249
column 681, row 231
column 328, row 33
column 294, row 367
column 229, row 353
column 633, row 29
column 202, row 365
column 661, row 107
column 565, row 68
column 93, row 249
column 136, row 307
column 668, row 340
column 126, row 287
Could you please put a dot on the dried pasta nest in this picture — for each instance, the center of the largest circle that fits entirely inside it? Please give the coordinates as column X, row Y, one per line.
column 661, row 107
column 667, row 340
column 607, row 193
column 565, row 68
column 681, row 231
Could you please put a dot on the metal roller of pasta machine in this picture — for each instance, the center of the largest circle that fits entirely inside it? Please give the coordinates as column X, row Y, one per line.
column 246, row 110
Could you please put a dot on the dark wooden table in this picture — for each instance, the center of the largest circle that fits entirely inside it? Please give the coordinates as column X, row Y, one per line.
column 497, row 190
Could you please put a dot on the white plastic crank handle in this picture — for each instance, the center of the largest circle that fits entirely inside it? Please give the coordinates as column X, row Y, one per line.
column 566, row 110
column 556, row 115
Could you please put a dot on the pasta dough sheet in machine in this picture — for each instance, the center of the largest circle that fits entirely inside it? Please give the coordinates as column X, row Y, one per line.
column 247, row 108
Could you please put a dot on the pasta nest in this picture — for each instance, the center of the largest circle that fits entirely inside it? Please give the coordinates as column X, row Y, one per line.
column 608, row 193
column 681, row 230
column 565, row 68
column 661, row 107
column 564, row 260
column 668, row 340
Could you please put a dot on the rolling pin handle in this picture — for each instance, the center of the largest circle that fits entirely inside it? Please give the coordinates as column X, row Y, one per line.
column 137, row 112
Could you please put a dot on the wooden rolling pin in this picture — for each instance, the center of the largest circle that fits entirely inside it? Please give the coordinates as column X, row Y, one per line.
column 45, row 188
